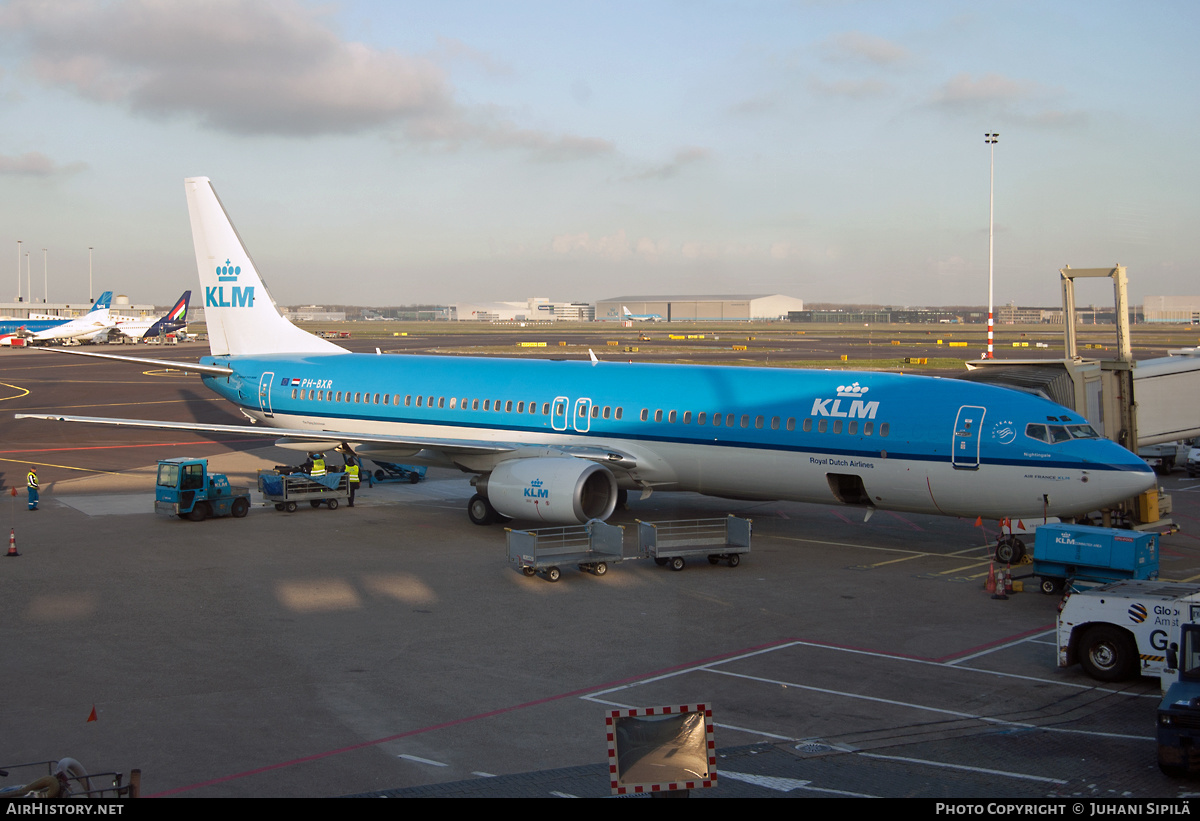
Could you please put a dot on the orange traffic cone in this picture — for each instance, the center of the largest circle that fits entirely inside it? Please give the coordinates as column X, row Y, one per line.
column 990, row 584
column 12, row 543
column 1001, row 585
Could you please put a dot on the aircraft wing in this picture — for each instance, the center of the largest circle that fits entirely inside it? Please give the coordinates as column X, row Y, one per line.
column 405, row 443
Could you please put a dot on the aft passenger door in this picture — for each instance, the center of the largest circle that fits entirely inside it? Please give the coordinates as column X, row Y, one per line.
column 264, row 393
column 965, row 448
column 558, row 412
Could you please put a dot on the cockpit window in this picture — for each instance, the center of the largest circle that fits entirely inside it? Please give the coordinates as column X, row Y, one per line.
column 1054, row 434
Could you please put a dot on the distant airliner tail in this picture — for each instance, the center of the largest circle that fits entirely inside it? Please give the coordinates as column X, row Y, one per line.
column 103, row 303
column 173, row 320
column 241, row 316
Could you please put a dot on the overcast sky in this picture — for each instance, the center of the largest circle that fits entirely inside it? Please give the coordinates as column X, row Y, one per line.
column 400, row 152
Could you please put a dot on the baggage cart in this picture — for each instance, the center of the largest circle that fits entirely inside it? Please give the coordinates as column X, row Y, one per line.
column 592, row 547
column 671, row 543
column 289, row 490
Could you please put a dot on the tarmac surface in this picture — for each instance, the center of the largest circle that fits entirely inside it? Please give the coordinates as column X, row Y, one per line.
column 389, row 648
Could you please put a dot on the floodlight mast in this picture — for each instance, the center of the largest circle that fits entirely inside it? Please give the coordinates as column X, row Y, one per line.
column 990, row 138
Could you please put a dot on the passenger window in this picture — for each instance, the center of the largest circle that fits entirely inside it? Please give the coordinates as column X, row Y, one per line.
column 701, row 418
column 508, row 406
column 545, row 409
column 293, row 393
column 807, row 426
column 716, row 420
column 774, row 423
column 560, row 409
column 487, row 404
column 687, row 417
column 620, row 412
column 645, row 414
column 868, row 428
column 658, row 415
column 474, row 404
column 419, row 398
column 442, row 401
column 853, row 427
column 607, row 409
column 822, row 425
column 837, row 425
column 791, row 423
column 596, row 412
column 339, row 397
column 729, row 420
column 758, row 422
column 883, row 428
column 582, row 411
column 395, row 399
column 520, row 407
column 671, row 417
column 357, row 397
column 376, row 399
column 745, row 420
column 408, row 401
column 453, row 402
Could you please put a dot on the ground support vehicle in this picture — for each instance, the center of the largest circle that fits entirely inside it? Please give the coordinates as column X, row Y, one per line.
column 671, row 543
column 1164, row 457
column 1178, row 716
column 592, row 547
column 186, row 489
column 1065, row 554
column 289, row 490
column 1121, row 629
column 391, row 472
column 66, row 779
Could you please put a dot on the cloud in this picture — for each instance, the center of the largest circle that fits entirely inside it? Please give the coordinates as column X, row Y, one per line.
column 854, row 89
column 247, row 67
column 994, row 94
column 457, row 51
column 612, row 247
column 35, row 164
column 683, row 158
column 854, row 46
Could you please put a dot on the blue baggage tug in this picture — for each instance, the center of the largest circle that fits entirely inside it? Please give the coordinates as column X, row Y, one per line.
column 1068, row 553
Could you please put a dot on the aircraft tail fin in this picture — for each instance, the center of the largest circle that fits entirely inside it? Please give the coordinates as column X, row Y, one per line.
column 172, row 320
column 103, row 303
column 241, row 316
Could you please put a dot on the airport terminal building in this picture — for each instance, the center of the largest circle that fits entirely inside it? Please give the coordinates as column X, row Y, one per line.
column 684, row 308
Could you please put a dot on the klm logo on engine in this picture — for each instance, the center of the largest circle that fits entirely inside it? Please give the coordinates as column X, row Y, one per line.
column 848, row 405
column 536, row 491
column 214, row 297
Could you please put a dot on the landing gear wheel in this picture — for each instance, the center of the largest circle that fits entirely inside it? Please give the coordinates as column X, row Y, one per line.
column 1107, row 653
column 480, row 511
column 553, row 574
column 290, row 507
column 677, row 563
column 600, row 569
column 200, row 512
column 240, row 508
column 1010, row 550
column 333, row 504
column 1051, row 586
column 734, row 560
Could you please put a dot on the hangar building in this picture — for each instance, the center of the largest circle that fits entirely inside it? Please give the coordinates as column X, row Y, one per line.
column 684, row 308
column 1171, row 308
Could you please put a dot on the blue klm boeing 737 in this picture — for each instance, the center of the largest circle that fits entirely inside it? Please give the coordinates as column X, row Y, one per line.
column 560, row 442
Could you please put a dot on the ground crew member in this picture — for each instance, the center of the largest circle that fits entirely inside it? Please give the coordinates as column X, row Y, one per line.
column 318, row 465
column 31, row 484
column 352, row 476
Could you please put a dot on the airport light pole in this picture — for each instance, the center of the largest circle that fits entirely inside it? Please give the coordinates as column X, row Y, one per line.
column 18, row 270
column 991, row 138
column 28, row 276
column 89, row 273
column 45, row 277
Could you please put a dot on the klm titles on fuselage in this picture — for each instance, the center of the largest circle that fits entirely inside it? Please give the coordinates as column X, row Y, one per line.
column 858, row 408
column 214, row 296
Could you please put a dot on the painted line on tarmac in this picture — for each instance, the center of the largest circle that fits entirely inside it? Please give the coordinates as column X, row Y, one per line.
column 419, row 731
column 964, row 768
column 121, row 447
column 55, row 408
column 15, row 388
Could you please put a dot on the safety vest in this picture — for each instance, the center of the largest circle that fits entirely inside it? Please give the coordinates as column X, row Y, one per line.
column 31, row 480
column 352, row 472
column 318, row 467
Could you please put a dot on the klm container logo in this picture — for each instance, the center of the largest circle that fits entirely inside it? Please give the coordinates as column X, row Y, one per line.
column 852, row 396
column 214, row 296
column 536, row 491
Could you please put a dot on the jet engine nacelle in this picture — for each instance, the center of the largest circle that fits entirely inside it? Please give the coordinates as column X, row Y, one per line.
column 559, row 489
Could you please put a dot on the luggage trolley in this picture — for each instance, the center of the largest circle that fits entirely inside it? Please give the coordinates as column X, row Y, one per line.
column 593, row 547
column 672, row 542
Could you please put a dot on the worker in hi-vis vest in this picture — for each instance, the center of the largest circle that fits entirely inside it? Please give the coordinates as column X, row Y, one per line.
column 352, row 476
column 31, row 484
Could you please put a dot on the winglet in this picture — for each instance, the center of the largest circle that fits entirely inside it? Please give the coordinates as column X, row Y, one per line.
column 241, row 316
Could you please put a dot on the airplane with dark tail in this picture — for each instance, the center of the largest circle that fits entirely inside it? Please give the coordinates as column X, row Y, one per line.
column 564, row 441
